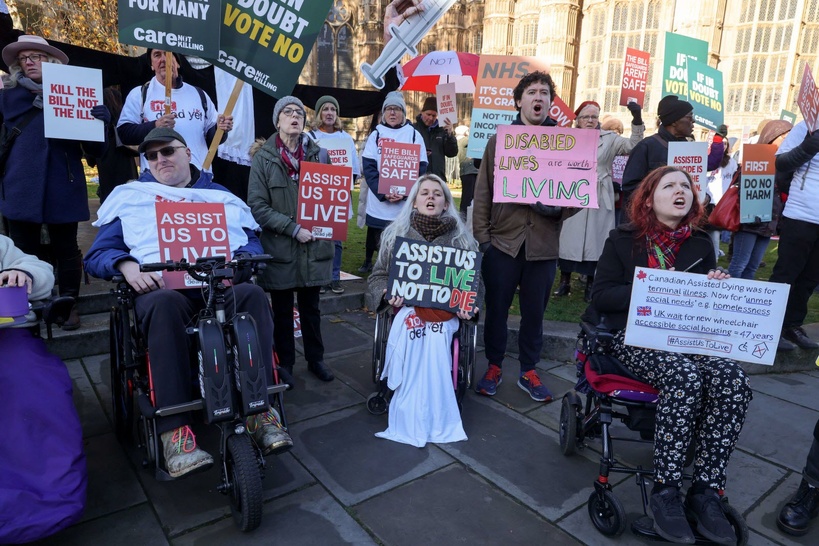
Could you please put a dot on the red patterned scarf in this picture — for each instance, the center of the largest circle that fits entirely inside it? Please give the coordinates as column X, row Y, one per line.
column 291, row 160
column 662, row 246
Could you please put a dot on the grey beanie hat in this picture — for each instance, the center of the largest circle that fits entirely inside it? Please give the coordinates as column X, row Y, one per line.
column 281, row 104
column 394, row 98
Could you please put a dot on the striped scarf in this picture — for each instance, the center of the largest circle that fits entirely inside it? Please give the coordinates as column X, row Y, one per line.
column 662, row 246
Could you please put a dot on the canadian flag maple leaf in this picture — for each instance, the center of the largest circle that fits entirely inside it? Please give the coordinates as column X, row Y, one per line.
column 641, row 275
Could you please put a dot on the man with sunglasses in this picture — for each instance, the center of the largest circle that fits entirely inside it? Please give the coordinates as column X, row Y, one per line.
column 192, row 115
column 129, row 236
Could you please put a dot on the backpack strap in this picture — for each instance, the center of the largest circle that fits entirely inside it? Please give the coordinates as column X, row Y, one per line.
column 198, row 89
column 661, row 140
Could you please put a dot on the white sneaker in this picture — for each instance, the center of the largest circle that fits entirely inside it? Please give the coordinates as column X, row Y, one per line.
column 182, row 455
column 268, row 432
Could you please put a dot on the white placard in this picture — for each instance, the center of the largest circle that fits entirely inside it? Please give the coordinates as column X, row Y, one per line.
column 686, row 313
column 447, row 108
column 340, row 149
column 69, row 93
column 691, row 157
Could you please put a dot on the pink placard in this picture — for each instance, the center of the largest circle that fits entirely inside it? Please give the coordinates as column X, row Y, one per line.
column 808, row 99
column 399, row 167
column 635, row 77
column 550, row 165
column 324, row 200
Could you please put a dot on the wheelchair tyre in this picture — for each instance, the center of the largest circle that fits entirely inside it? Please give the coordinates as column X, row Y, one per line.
column 122, row 379
column 568, row 427
column 607, row 513
column 245, row 481
column 377, row 404
column 147, row 439
column 737, row 522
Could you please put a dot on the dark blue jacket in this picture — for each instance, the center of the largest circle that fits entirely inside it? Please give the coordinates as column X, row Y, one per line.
column 109, row 247
column 44, row 180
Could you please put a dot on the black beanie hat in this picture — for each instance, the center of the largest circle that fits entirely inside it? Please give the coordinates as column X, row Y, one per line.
column 671, row 108
column 431, row 103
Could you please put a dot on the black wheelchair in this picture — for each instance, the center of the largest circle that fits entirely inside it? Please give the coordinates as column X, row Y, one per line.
column 613, row 392
column 239, row 386
column 463, row 358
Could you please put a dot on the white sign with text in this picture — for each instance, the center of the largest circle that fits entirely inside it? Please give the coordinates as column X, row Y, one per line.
column 69, row 93
column 687, row 313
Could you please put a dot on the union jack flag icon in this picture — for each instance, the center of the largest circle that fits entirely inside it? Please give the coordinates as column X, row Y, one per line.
column 643, row 310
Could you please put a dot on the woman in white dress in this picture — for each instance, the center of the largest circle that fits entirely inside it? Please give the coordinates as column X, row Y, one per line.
column 418, row 365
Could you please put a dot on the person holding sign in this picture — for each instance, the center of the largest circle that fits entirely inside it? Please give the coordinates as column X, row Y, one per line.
column 192, row 113
column 328, row 133
column 130, row 235
column 797, row 263
column 383, row 208
column 676, row 125
column 43, row 181
column 751, row 241
column 702, row 399
column 583, row 235
column 519, row 243
column 418, row 365
column 301, row 263
column 439, row 141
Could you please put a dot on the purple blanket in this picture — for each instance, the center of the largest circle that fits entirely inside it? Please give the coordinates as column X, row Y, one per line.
column 42, row 464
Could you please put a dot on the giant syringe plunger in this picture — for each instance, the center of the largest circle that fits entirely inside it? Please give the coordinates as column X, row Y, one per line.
column 404, row 39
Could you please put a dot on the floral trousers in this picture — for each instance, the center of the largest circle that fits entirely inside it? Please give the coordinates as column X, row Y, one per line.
column 702, row 399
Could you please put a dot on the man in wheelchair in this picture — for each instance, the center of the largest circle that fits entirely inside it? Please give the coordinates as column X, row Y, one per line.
column 129, row 237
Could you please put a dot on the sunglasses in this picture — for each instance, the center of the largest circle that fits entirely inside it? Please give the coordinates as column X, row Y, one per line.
column 167, row 151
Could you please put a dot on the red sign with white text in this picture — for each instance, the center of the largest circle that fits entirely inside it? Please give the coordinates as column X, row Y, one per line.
column 635, row 77
column 399, row 167
column 561, row 113
column 190, row 231
column 324, row 200
column 808, row 99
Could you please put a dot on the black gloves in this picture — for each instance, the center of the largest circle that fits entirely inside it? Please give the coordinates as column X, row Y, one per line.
column 242, row 273
column 549, row 211
column 101, row 113
column 636, row 113
column 811, row 143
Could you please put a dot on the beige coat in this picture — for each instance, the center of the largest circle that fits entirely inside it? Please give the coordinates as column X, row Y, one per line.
column 583, row 235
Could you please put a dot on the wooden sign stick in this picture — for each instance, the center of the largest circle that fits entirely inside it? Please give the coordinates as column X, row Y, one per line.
column 217, row 138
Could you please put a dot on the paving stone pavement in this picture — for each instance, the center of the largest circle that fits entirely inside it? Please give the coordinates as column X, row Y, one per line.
column 507, row 484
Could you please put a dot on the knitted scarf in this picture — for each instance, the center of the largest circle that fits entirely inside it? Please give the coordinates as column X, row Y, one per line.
column 291, row 160
column 431, row 227
column 662, row 246
column 34, row 87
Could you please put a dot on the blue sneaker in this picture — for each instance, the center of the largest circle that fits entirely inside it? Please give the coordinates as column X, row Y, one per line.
column 488, row 386
column 530, row 382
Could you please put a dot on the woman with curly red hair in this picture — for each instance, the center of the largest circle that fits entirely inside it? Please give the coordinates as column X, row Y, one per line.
column 702, row 399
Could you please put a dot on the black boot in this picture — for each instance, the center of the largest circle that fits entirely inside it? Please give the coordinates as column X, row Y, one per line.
column 796, row 515
column 69, row 277
column 565, row 287
column 588, row 290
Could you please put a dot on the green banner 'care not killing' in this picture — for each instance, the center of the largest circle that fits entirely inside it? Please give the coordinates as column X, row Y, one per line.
column 266, row 42
column 678, row 50
column 189, row 27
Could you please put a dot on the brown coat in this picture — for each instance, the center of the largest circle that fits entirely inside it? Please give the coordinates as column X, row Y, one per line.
column 508, row 225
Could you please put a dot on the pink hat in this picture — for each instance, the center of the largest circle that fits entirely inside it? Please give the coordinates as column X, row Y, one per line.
column 31, row 42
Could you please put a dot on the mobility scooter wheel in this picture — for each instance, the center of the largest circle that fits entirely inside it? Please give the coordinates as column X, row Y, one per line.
column 122, row 393
column 377, row 404
column 245, row 481
column 607, row 513
column 568, row 427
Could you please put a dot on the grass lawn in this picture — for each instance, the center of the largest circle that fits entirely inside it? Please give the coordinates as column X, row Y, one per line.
column 566, row 309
